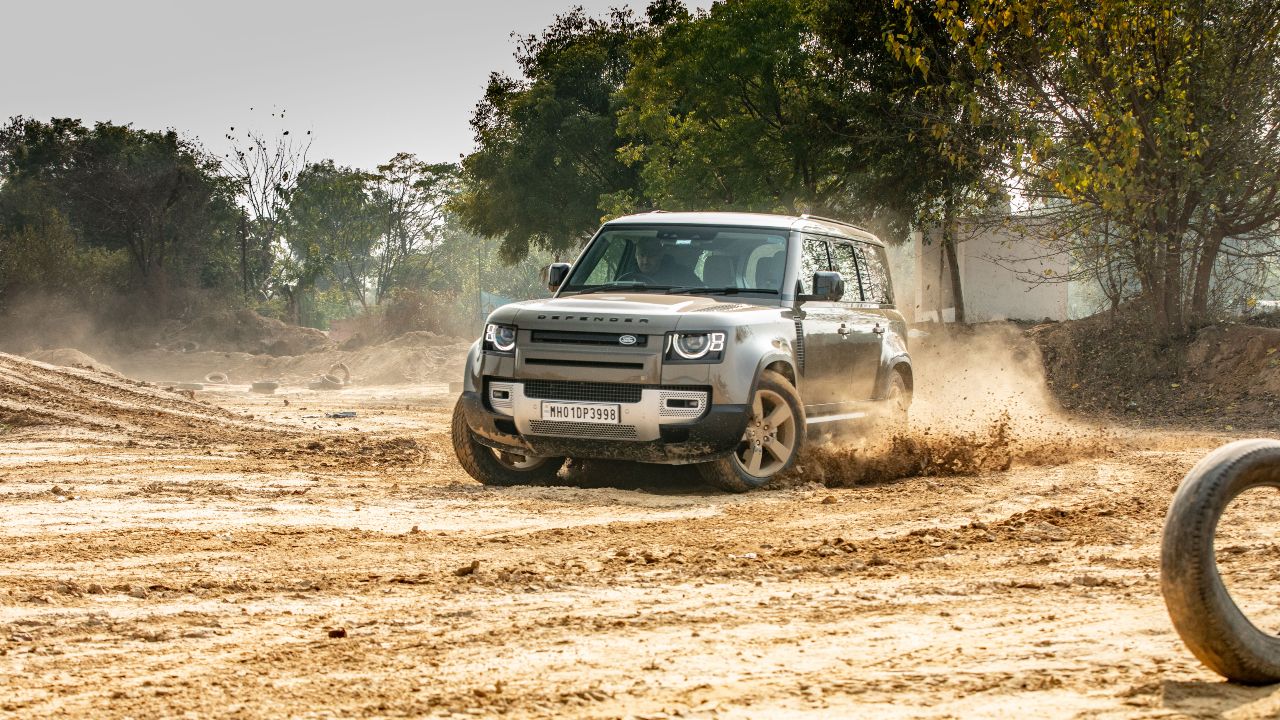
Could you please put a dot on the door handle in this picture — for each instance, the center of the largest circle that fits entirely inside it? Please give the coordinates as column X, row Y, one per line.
column 844, row 330
column 878, row 329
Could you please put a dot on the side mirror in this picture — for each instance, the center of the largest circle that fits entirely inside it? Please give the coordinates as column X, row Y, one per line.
column 828, row 286
column 556, row 274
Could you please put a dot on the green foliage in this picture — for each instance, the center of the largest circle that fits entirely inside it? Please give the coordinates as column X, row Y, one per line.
column 769, row 105
column 547, row 142
column 42, row 257
column 331, row 228
column 412, row 196
column 74, row 197
column 732, row 109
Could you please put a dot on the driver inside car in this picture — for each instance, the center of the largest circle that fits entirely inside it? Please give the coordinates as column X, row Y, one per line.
column 655, row 266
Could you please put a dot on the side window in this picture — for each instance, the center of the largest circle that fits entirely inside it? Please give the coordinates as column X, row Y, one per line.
column 813, row 257
column 875, row 274
column 843, row 255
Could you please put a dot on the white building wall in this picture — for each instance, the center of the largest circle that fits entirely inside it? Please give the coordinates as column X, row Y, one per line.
column 994, row 267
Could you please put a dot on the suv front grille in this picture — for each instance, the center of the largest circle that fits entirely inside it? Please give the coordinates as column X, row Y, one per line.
column 573, row 390
column 583, row 391
column 588, row 338
column 583, row 430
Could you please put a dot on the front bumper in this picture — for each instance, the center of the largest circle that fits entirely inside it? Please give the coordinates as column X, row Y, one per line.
column 711, row 436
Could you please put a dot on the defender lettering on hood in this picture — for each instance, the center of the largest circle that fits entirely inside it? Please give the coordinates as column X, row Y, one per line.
column 584, row 318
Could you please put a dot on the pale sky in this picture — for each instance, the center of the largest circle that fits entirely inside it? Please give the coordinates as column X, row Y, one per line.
column 368, row 79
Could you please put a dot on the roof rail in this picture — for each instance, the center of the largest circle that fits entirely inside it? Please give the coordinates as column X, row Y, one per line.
column 651, row 212
column 807, row 216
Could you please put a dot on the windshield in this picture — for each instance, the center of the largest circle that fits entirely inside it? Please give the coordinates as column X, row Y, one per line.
column 658, row 258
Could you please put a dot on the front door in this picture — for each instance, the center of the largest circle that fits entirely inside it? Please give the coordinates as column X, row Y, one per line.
column 824, row 383
column 862, row 325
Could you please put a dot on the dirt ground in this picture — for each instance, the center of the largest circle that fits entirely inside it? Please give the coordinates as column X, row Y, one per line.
column 233, row 555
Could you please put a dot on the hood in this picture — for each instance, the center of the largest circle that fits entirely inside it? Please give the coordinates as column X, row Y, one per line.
column 649, row 312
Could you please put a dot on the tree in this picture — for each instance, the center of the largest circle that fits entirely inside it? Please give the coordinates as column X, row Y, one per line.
column 331, row 227
column 547, row 142
column 265, row 171
column 927, row 150
column 155, row 196
column 1160, row 118
column 734, row 109
column 411, row 196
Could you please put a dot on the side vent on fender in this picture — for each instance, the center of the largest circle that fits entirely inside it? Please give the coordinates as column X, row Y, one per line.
column 800, row 345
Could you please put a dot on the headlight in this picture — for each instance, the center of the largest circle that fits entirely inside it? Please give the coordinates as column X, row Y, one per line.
column 500, row 338
column 695, row 347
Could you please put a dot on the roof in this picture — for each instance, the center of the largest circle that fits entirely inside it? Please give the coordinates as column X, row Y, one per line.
column 809, row 223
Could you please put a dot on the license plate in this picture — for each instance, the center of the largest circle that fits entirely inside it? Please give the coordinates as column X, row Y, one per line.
column 581, row 412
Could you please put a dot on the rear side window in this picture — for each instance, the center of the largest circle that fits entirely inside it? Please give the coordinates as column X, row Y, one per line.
column 874, row 270
column 843, row 255
column 813, row 257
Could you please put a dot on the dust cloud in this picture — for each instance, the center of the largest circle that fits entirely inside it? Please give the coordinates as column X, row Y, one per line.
column 980, row 404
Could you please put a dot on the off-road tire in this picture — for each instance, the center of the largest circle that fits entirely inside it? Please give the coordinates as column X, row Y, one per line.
column 481, row 462
column 896, row 413
column 1203, row 613
column 728, row 473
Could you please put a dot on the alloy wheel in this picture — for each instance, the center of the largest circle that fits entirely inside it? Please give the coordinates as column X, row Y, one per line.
column 770, row 439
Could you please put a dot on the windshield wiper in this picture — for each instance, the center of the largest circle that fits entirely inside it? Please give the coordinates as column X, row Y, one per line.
column 717, row 290
column 620, row 286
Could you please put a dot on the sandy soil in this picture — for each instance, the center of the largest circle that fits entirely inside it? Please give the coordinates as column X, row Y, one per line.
column 204, row 566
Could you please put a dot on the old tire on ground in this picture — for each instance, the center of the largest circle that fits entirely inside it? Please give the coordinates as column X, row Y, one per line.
column 492, row 467
column 340, row 372
column 773, row 439
column 1209, row 621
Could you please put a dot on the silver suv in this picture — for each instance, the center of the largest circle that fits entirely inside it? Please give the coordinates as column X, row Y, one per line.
column 719, row 339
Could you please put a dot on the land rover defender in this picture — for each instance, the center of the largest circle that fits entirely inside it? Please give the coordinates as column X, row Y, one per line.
column 720, row 339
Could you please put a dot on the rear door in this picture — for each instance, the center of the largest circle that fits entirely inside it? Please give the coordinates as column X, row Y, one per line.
column 862, row 326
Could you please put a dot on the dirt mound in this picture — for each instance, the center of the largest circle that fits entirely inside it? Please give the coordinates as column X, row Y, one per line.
column 424, row 338
column 415, row 358
column 244, row 331
column 1225, row 377
column 1237, row 360
column 41, row 401
column 70, row 357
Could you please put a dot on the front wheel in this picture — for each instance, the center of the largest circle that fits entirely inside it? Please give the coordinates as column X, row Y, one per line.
column 771, row 443
column 1203, row 612
column 497, row 467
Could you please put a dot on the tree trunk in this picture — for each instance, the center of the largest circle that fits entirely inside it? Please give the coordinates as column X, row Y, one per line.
column 291, row 310
column 242, row 234
column 1173, row 306
column 1203, row 274
column 953, row 259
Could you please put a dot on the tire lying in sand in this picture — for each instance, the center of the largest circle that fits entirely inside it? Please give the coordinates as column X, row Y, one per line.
column 341, row 372
column 327, row 382
column 216, row 378
column 266, row 387
column 1203, row 612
